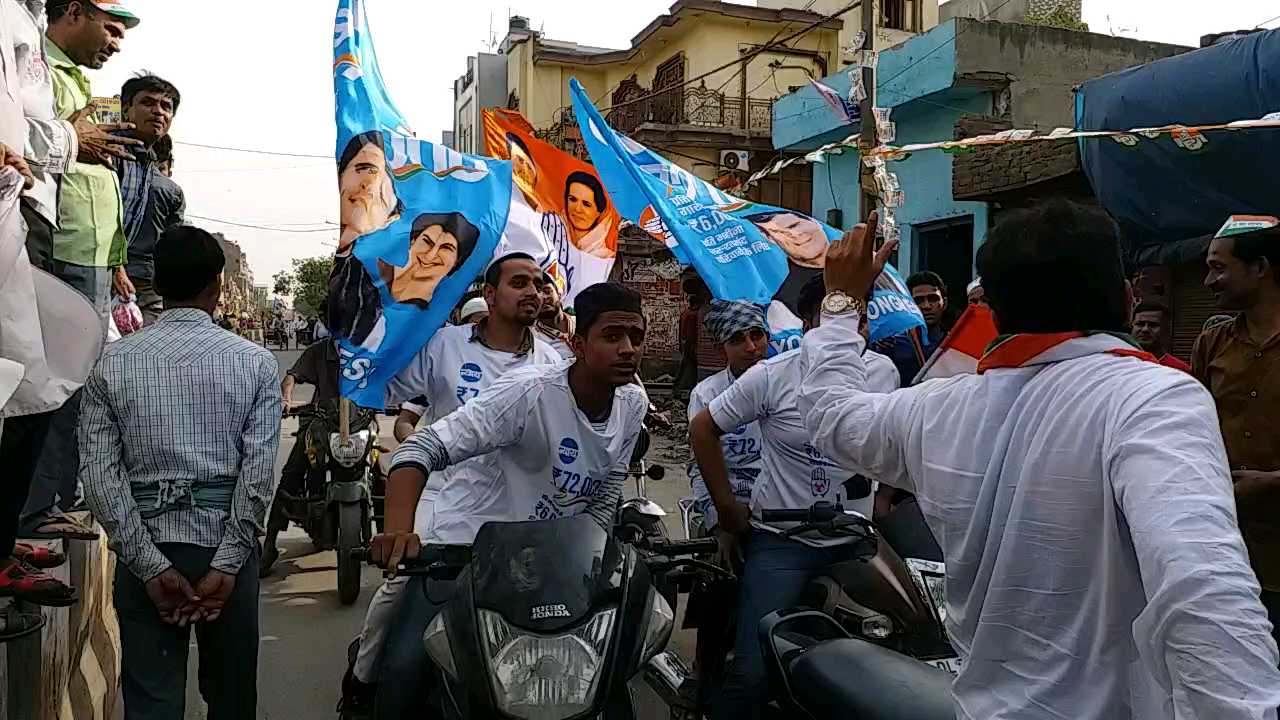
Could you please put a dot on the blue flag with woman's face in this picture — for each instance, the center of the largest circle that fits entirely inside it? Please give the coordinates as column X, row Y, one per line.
column 419, row 222
column 741, row 250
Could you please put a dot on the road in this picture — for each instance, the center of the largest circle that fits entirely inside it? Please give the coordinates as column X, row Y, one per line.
column 305, row 630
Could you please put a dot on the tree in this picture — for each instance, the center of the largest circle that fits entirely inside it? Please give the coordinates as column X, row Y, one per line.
column 309, row 282
column 282, row 283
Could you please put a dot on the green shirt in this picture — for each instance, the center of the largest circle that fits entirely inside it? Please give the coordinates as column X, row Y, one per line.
column 89, row 207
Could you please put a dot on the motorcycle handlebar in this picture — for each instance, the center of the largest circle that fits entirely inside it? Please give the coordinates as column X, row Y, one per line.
column 704, row 546
column 820, row 512
column 778, row 516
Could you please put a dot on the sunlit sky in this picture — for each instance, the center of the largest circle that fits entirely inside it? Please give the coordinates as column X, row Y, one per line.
column 256, row 76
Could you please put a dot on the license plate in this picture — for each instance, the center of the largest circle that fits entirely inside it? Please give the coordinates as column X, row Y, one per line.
column 951, row 665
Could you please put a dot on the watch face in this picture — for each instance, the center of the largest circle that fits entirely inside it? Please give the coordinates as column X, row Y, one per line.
column 836, row 303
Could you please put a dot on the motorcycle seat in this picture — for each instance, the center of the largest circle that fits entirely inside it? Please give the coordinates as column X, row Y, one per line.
column 856, row 679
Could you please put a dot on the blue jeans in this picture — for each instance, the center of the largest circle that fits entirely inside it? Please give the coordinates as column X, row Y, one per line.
column 773, row 577
column 404, row 681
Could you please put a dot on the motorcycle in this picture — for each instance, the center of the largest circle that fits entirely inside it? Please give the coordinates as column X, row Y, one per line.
column 549, row 619
column 336, row 511
column 875, row 596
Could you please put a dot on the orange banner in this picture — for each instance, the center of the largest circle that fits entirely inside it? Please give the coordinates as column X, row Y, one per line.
column 580, row 223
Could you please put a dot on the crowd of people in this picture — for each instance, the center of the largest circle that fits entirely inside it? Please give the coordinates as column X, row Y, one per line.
column 1105, row 509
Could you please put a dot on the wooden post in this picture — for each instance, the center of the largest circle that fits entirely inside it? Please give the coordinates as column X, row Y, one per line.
column 344, row 420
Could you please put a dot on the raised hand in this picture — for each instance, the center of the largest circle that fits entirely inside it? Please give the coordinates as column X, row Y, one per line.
column 98, row 146
column 853, row 263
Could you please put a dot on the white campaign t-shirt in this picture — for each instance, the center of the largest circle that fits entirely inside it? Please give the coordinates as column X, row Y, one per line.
column 796, row 474
column 550, row 460
column 741, row 447
column 453, row 368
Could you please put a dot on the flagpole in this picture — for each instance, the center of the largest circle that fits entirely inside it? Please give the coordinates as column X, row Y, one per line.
column 867, row 141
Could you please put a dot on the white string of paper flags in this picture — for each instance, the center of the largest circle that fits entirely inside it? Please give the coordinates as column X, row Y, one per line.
column 1187, row 137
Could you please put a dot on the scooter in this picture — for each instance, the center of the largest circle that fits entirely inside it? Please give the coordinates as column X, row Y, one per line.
column 549, row 619
column 336, row 512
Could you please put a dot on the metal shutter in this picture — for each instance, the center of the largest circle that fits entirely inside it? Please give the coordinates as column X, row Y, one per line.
column 1191, row 304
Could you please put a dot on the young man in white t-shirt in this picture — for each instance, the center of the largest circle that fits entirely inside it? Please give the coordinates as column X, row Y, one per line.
column 457, row 364
column 561, row 438
column 795, row 476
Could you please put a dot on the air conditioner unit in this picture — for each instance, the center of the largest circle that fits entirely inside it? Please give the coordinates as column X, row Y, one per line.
column 734, row 159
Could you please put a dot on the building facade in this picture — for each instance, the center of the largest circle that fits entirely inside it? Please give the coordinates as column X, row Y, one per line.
column 953, row 81
column 483, row 85
column 237, row 279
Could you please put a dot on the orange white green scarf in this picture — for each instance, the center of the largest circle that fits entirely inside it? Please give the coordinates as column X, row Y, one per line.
column 1025, row 349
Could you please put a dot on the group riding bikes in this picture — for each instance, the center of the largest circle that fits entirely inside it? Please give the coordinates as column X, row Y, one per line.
column 556, row 618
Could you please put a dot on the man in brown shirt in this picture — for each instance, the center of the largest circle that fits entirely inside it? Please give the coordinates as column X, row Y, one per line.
column 1239, row 361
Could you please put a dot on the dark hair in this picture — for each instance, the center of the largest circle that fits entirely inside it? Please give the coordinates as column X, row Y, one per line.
column 1252, row 246
column 764, row 217
column 926, row 277
column 493, row 275
column 1152, row 306
column 810, row 298
column 354, row 145
column 515, row 140
column 57, row 8
column 585, row 178
column 596, row 300
column 1055, row 267
column 187, row 260
column 144, row 82
column 453, row 223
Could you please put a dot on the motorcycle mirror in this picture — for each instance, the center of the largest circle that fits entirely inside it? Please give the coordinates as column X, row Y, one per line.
column 656, row 472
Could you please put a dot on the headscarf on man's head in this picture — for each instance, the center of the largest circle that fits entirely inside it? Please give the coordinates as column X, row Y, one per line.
column 724, row 319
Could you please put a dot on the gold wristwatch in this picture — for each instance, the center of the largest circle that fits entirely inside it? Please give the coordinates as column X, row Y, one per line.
column 839, row 303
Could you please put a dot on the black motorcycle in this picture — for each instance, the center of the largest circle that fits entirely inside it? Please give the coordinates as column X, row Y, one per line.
column 550, row 619
column 336, row 511
column 878, row 619
column 874, row 595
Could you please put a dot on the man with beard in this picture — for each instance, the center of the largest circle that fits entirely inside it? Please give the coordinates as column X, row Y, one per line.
column 555, row 326
column 368, row 204
column 795, row 475
column 561, row 438
column 457, row 364
column 1239, row 361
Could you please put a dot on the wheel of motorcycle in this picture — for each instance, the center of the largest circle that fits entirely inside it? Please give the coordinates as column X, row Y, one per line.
column 349, row 524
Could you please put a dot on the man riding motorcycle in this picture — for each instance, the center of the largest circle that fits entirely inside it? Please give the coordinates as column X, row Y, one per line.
column 317, row 366
column 458, row 364
column 562, row 437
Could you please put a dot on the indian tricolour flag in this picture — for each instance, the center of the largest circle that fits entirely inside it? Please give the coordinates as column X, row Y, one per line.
column 962, row 348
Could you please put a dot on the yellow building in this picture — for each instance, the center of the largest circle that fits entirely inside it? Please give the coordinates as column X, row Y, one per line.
column 712, row 126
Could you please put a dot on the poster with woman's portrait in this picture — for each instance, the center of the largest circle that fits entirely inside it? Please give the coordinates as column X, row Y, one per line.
column 566, row 196
column 418, row 223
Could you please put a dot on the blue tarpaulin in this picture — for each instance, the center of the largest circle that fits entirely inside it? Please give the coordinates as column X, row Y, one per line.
column 1169, row 199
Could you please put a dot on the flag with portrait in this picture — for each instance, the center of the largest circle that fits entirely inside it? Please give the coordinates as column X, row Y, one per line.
column 418, row 222
column 577, row 220
column 742, row 250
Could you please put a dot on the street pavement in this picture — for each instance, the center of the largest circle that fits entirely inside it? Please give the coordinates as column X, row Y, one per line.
column 305, row 629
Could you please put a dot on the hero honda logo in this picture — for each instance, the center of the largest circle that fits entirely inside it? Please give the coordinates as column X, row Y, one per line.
column 568, row 451
column 470, row 372
column 544, row 612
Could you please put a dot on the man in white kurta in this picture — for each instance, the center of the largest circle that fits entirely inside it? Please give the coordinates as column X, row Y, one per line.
column 1080, row 491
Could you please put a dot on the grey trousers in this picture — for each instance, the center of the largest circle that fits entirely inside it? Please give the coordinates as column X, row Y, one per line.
column 59, row 465
column 153, row 668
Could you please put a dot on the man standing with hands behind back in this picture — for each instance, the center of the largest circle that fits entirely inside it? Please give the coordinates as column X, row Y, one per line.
column 178, row 440
column 1239, row 361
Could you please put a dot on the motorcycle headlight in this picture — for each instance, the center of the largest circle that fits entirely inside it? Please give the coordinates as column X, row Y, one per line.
column 352, row 451
column 661, row 620
column 545, row 677
column 436, row 638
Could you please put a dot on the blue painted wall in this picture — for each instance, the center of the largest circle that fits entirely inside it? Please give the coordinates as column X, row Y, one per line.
column 917, row 80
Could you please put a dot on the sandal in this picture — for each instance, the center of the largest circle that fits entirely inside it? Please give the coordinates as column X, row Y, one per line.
column 57, row 526
column 38, row 556
column 14, row 624
column 28, row 584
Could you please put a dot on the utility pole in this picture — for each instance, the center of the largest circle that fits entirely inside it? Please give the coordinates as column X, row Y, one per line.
column 868, row 139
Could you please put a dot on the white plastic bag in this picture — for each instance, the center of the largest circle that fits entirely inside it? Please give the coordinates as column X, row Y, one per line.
column 126, row 316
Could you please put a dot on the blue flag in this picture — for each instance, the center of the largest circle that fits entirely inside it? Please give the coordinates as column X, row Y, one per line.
column 741, row 250
column 419, row 222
